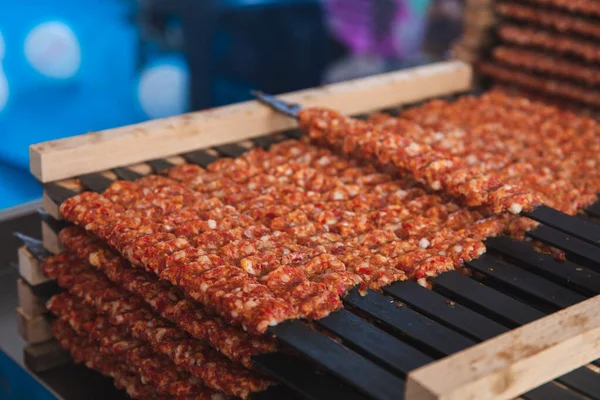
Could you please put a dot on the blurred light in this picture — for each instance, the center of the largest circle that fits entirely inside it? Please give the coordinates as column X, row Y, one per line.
column 163, row 90
column 53, row 50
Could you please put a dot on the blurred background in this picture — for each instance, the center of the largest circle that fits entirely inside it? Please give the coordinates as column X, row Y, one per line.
column 70, row 66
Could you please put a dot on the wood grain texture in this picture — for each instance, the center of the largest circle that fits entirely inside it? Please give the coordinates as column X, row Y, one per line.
column 98, row 151
column 515, row 362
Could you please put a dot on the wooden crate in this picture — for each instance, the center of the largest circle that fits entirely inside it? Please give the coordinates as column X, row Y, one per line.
column 500, row 368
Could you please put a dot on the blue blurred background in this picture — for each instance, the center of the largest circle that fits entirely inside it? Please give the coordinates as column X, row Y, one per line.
column 70, row 66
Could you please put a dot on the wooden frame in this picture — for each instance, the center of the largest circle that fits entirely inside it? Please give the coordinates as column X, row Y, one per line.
column 515, row 362
column 92, row 152
column 499, row 368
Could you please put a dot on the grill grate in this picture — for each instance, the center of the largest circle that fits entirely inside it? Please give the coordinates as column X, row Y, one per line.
column 382, row 337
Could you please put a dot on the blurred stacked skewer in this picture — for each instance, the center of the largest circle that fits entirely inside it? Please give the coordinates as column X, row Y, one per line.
column 547, row 47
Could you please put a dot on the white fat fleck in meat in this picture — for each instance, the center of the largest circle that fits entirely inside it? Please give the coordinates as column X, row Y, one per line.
column 338, row 195
column 285, row 278
column 515, row 208
column 438, row 135
column 472, row 159
column 422, row 282
column 250, row 304
column 401, row 193
column 413, row 149
column 247, row 266
column 458, row 249
column 436, row 185
column 424, row 243
column 203, row 287
column 212, row 224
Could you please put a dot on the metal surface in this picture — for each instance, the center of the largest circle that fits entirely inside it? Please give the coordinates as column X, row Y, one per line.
column 289, row 109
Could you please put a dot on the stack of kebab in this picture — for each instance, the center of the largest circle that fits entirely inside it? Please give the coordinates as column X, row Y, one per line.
column 272, row 236
column 560, row 40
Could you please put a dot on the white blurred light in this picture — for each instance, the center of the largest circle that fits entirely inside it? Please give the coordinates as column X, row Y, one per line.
column 163, row 90
column 53, row 50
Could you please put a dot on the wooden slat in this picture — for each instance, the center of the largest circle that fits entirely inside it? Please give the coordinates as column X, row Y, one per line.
column 31, row 304
column 50, row 239
column 33, row 329
column 29, row 268
column 44, row 356
column 515, row 362
column 98, row 151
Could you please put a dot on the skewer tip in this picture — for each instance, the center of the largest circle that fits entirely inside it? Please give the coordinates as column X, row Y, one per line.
column 281, row 106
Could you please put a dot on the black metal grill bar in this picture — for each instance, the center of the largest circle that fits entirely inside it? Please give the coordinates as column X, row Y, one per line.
column 530, row 284
column 551, row 391
column 95, row 182
column 485, row 299
column 35, row 246
column 417, row 327
column 583, row 380
column 441, row 309
column 45, row 290
column 579, row 228
column 126, row 174
column 58, row 193
column 277, row 392
column 201, row 157
column 374, row 343
column 564, row 272
column 160, row 165
column 265, row 141
column 52, row 223
column 294, row 134
column 594, row 210
column 355, row 370
column 567, row 243
column 232, row 150
column 303, row 377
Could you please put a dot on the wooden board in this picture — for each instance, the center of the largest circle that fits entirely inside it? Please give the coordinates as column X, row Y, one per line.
column 33, row 329
column 50, row 239
column 44, row 356
column 515, row 362
column 29, row 268
column 92, row 152
column 28, row 301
